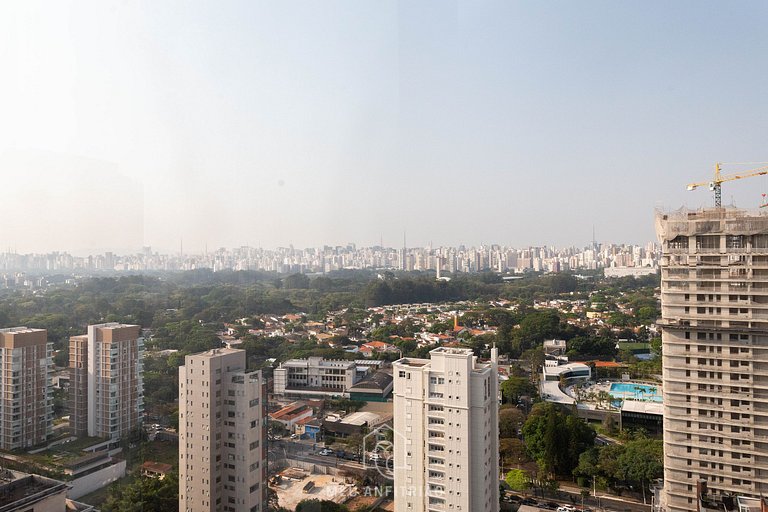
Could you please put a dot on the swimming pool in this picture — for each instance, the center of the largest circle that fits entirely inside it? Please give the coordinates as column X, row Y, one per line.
column 634, row 391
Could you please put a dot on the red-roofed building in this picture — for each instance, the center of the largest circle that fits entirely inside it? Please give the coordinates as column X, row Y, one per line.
column 291, row 414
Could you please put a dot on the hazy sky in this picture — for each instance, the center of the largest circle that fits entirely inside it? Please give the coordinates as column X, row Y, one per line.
column 322, row 122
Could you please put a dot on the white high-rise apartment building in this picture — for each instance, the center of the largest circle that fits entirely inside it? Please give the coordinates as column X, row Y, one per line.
column 222, row 434
column 107, row 387
column 714, row 299
column 446, row 433
column 26, row 401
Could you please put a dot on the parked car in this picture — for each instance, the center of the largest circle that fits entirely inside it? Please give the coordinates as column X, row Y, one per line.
column 326, row 451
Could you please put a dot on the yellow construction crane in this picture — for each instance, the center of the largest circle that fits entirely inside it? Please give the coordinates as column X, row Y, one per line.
column 714, row 185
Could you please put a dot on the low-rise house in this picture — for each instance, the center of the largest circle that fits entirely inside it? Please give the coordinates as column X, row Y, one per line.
column 309, row 428
column 291, row 414
column 375, row 347
column 152, row 469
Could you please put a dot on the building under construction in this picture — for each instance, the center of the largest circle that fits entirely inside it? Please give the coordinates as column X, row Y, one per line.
column 714, row 297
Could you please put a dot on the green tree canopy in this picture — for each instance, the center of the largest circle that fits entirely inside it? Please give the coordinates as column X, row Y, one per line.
column 515, row 387
column 556, row 439
column 518, row 480
column 320, row 506
column 144, row 495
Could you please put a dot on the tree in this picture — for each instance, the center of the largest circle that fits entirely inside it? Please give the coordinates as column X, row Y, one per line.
column 588, row 467
column 535, row 359
column 512, row 451
column 608, row 463
column 316, row 505
column 510, row 420
column 555, row 438
column 642, row 461
column 515, row 387
column 296, row 281
column 144, row 495
column 518, row 480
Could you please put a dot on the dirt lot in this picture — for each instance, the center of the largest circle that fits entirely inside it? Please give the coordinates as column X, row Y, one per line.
column 327, row 487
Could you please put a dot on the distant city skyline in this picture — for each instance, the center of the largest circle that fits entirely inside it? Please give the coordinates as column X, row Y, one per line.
column 270, row 124
column 284, row 260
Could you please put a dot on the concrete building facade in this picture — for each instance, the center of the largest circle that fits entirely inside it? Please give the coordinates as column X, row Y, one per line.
column 26, row 393
column 316, row 376
column 446, row 437
column 107, row 389
column 222, row 434
column 714, row 298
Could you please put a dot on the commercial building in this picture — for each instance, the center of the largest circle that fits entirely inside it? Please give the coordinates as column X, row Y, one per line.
column 106, row 389
column 446, row 433
column 316, row 377
column 553, row 375
column 26, row 402
column 21, row 492
column 222, row 434
column 376, row 387
column 714, row 298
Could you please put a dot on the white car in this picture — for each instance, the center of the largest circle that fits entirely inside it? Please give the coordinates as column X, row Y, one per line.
column 566, row 508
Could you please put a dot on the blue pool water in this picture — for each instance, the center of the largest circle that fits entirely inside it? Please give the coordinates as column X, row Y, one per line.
column 632, row 391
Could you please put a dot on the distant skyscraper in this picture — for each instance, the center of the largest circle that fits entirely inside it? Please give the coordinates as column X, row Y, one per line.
column 446, row 432
column 106, row 384
column 714, row 300
column 26, row 403
column 222, row 434
column 404, row 256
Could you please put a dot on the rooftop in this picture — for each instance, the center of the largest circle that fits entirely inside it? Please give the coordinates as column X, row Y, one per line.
column 452, row 351
column 361, row 418
column 114, row 325
column 214, row 352
column 20, row 330
column 379, row 381
column 416, row 363
column 156, row 467
column 22, row 490
column 329, row 363
column 643, row 407
column 290, row 411
column 557, row 370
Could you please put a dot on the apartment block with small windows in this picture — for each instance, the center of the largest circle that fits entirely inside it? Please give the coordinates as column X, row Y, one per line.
column 106, row 383
column 446, row 437
column 222, row 434
column 26, row 394
column 714, row 299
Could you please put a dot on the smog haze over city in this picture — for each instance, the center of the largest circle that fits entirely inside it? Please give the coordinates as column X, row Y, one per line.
column 130, row 124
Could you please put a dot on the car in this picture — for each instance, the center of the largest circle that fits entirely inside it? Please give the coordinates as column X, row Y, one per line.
column 294, row 436
column 566, row 508
column 529, row 501
column 374, row 457
column 326, row 451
